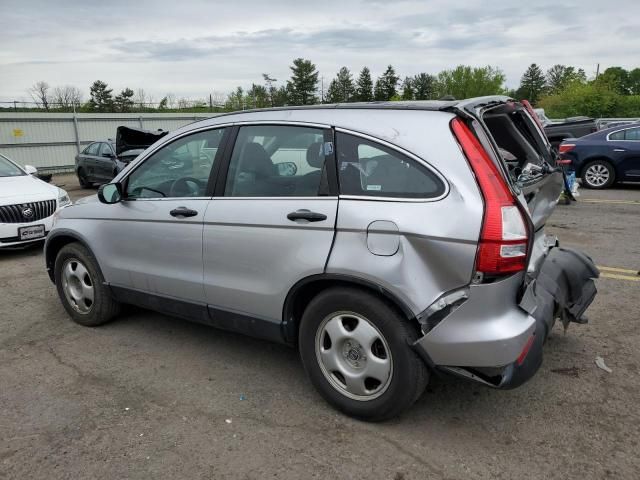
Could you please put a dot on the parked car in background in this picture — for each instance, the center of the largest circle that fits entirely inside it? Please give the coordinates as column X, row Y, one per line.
column 99, row 162
column 27, row 204
column 605, row 157
column 572, row 127
column 404, row 245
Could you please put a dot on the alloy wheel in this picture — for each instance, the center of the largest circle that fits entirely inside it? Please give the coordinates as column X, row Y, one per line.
column 597, row 175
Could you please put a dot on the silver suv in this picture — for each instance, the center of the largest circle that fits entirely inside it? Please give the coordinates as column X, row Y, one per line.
column 386, row 241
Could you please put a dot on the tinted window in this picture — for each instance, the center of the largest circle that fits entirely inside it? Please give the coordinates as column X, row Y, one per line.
column 105, row 149
column 92, row 149
column 632, row 134
column 277, row 161
column 179, row 169
column 370, row 169
column 617, row 135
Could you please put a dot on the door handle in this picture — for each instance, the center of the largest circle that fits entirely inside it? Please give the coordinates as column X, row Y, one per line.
column 183, row 212
column 304, row 214
column 619, row 150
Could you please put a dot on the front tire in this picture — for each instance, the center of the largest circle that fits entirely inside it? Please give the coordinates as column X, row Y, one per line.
column 81, row 287
column 598, row 174
column 356, row 350
column 82, row 179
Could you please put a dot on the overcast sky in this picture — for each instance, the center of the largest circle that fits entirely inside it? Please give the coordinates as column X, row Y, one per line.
column 191, row 48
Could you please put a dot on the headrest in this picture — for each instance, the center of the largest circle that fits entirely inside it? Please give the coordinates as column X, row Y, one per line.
column 315, row 155
column 256, row 160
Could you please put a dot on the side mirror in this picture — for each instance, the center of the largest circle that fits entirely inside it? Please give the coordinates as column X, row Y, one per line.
column 287, row 169
column 110, row 193
column 30, row 169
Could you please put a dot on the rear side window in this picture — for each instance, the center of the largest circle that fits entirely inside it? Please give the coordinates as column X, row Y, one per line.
column 632, row 134
column 367, row 168
column 617, row 135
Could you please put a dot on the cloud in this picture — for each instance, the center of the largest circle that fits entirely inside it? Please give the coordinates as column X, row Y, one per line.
column 189, row 48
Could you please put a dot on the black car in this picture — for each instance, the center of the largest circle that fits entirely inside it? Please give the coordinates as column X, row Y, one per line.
column 99, row 162
column 604, row 157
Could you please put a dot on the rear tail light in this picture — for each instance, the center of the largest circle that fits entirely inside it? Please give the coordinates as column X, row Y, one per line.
column 504, row 238
column 566, row 147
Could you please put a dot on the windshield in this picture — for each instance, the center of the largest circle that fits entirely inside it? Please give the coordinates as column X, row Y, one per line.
column 8, row 168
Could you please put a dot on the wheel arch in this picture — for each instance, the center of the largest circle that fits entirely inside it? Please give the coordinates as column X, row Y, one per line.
column 55, row 242
column 306, row 289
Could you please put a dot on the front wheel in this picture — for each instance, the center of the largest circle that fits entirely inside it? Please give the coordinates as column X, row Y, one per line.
column 598, row 174
column 356, row 351
column 81, row 287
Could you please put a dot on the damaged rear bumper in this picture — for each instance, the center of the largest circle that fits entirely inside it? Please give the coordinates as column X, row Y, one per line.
column 496, row 336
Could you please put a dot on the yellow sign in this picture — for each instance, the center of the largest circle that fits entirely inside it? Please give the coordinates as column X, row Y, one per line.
column 17, row 132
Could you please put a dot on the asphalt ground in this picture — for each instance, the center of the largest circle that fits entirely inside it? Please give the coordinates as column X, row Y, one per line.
column 148, row 396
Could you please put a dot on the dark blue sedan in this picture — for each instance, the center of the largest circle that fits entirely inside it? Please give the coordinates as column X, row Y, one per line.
column 604, row 157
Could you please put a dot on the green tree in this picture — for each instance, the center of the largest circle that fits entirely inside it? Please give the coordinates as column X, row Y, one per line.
column 559, row 76
column 333, row 94
column 257, row 96
column 281, row 97
column 164, row 103
column 364, row 86
column 634, row 81
column 303, row 83
column 532, row 84
column 101, row 99
column 408, row 92
column 617, row 78
column 424, row 86
column 341, row 88
column 593, row 99
column 270, row 87
column 386, row 85
column 124, row 100
column 465, row 82
column 235, row 100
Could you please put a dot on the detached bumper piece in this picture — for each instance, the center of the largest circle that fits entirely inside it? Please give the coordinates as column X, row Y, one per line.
column 563, row 288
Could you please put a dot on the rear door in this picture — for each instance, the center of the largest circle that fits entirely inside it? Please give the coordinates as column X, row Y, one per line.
column 87, row 160
column 271, row 223
column 523, row 152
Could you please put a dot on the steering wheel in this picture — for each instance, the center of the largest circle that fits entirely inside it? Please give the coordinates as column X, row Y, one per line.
column 185, row 187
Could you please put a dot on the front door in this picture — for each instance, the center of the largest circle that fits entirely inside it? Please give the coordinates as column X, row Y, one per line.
column 627, row 150
column 105, row 163
column 155, row 237
column 271, row 223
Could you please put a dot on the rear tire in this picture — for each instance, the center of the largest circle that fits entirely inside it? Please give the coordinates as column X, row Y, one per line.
column 356, row 350
column 81, row 287
column 598, row 174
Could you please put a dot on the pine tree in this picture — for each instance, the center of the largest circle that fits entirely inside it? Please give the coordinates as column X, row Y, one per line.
column 364, row 86
column 532, row 84
column 124, row 100
column 333, row 92
column 101, row 99
column 424, row 86
column 303, row 83
column 408, row 92
column 386, row 85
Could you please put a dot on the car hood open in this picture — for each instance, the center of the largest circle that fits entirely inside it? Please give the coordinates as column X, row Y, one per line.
column 128, row 138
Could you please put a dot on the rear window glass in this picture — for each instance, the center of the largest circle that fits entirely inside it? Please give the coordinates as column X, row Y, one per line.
column 632, row 134
column 366, row 168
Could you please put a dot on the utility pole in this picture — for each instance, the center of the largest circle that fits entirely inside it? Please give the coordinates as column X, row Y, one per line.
column 322, row 90
column 597, row 71
column 15, row 106
column 210, row 103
